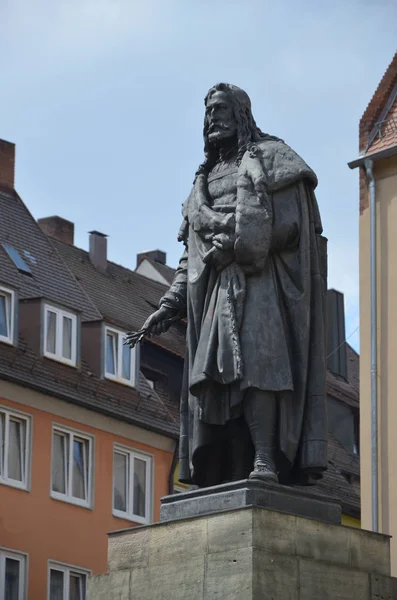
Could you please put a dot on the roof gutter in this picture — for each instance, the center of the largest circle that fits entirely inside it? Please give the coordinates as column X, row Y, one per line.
column 380, row 155
column 73, row 400
column 367, row 162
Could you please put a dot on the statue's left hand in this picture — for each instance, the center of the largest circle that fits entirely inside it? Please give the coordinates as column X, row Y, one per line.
column 222, row 241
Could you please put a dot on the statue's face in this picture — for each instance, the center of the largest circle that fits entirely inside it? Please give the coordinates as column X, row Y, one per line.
column 222, row 123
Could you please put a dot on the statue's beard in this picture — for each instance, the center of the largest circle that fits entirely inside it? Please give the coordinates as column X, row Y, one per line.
column 219, row 133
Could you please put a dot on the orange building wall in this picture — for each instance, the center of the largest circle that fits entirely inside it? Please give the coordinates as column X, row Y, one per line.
column 49, row 529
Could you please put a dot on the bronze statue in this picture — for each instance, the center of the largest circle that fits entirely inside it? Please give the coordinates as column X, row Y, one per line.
column 252, row 284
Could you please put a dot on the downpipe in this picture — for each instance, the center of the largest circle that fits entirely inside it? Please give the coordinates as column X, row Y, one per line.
column 374, row 346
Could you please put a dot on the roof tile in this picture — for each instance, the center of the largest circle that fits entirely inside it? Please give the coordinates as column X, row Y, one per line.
column 122, row 297
column 51, row 279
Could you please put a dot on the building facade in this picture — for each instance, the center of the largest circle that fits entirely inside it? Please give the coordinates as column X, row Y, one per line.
column 87, row 444
column 378, row 377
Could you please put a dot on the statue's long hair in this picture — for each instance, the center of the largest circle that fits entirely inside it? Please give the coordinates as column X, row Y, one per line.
column 247, row 130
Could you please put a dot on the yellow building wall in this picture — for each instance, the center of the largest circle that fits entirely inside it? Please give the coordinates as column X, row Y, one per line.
column 176, row 482
column 351, row 521
column 386, row 196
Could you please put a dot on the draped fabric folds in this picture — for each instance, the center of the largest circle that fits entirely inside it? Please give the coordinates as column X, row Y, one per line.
column 256, row 312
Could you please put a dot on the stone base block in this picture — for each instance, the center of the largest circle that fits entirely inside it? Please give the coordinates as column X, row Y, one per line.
column 239, row 494
column 245, row 554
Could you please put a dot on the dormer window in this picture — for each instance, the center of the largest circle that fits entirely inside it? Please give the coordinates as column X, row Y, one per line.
column 119, row 359
column 60, row 335
column 7, row 307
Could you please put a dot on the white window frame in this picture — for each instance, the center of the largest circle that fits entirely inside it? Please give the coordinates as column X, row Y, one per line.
column 118, row 361
column 4, row 448
column 66, row 569
column 11, row 307
column 68, row 496
column 60, row 314
column 128, row 514
column 22, row 558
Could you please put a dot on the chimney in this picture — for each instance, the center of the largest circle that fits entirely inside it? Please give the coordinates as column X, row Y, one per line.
column 336, row 334
column 7, row 165
column 58, row 228
column 156, row 255
column 98, row 250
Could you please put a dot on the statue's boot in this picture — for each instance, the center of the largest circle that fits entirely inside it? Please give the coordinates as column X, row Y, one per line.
column 260, row 412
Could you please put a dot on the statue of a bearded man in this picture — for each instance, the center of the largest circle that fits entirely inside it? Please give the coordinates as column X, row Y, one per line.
column 252, row 284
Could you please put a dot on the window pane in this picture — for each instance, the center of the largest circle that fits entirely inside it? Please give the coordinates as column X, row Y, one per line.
column 67, row 338
column 16, row 449
column 56, row 585
column 4, row 316
column 51, row 332
column 111, row 354
column 59, row 462
column 80, row 474
column 12, row 568
column 77, row 586
column 120, row 481
column 126, row 373
column 139, row 487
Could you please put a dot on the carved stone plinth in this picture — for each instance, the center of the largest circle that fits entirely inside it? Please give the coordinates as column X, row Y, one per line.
column 244, row 554
column 240, row 494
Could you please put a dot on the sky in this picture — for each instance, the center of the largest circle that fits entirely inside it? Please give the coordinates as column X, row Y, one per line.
column 104, row 101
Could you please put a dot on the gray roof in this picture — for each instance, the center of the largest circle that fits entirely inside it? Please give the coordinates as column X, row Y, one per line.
column 341, row 481
column 122, row 297
column 21, row 365
column 165, row 270
column 51, row 279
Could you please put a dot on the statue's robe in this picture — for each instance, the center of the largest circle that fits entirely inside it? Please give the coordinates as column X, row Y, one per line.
column 256, row 312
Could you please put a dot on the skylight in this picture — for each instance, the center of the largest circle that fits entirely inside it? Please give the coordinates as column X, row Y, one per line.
column 17, row 259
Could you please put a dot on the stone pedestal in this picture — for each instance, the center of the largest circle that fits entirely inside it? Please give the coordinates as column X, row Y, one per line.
column 244, row 554
column 249, row 492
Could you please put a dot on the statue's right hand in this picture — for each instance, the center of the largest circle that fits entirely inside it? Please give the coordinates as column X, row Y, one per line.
column 158, row 323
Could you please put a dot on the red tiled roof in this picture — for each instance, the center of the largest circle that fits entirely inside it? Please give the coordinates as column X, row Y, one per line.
column 387, row 132
column 374, row 109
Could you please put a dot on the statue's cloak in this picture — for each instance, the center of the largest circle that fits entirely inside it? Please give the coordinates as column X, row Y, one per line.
column 258, row 320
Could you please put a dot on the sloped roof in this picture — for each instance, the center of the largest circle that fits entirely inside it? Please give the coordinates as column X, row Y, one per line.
column 165, row 270
column 122, row 297
column 51, row 279
column 346, row 391
column 386, row 131
column 379, row 100
column 21, row 365
column 353, row 368
column 341, row 481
